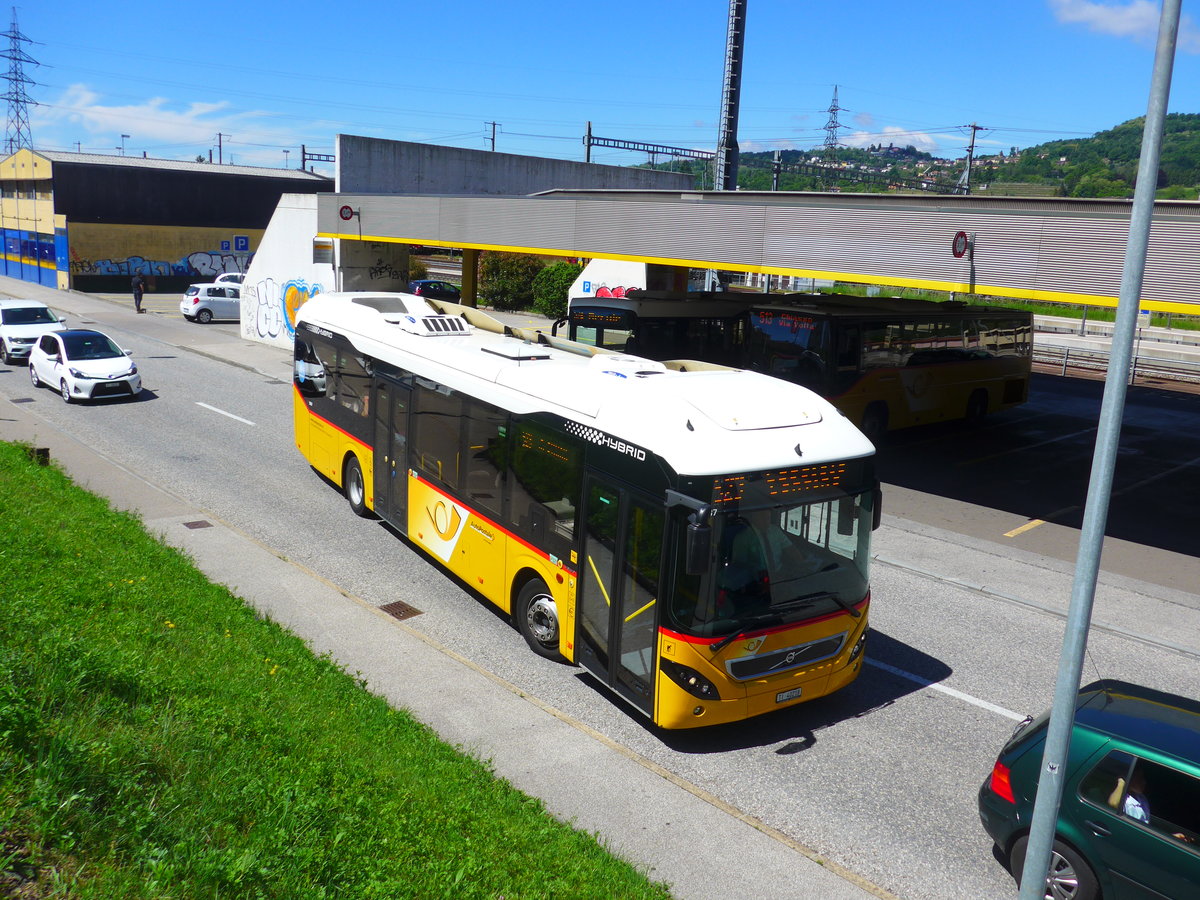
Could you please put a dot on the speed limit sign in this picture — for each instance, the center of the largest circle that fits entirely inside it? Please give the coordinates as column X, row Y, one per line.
column 347, row 213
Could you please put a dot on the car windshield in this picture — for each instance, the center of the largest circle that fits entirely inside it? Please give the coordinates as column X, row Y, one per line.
column 28, row 315
column 779, row 565
column 90, row 346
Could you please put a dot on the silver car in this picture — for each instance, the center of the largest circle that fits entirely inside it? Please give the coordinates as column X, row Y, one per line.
column 205, row 302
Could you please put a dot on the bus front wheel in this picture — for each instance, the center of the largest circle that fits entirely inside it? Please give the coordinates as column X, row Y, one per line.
column 355, row 488
column 537, row 618
column 977, row 406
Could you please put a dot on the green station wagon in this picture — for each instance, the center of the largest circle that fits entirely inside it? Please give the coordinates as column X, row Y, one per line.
column 1129, row 823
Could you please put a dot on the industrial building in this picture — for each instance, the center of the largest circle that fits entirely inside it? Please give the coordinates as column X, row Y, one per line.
column 90, row 221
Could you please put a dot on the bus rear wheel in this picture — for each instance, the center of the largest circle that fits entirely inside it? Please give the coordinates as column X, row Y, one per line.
column 355, row 488
column 536, row 616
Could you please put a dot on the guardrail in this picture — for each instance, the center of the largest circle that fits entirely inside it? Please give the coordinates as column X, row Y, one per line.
column 1091, row 360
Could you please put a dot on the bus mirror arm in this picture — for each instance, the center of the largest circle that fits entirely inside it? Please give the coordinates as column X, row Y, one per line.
column 877, row 508
column 554, row 327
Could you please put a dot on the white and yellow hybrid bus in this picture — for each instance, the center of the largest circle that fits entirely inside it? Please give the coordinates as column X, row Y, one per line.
column 698, row 538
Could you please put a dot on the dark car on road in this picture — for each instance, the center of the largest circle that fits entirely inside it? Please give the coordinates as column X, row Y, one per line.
column 1129, row 823
column 436, row 290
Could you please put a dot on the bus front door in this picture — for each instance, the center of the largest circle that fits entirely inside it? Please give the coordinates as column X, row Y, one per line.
column 622, row 549
column 391, row 403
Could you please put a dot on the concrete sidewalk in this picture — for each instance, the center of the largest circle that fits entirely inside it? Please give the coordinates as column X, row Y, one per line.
column 671, row 830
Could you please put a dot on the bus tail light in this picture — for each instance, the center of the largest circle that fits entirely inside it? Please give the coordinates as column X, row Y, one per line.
column 1001, row 784
column 690, row 680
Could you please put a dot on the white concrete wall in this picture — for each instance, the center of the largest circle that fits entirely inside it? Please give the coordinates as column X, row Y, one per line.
column 282, row 274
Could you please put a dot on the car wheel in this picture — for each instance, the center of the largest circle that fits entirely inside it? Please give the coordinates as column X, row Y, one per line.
column 1069, row 877
column 204, row 316
column 536, row 615
column 65, row 390
column 33, row 376
column 355, row 488
column 4, row 353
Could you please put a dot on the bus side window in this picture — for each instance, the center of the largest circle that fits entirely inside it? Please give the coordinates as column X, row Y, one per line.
column 309, row 373
column 486, row 455
column 547, row 477
column 436, row 430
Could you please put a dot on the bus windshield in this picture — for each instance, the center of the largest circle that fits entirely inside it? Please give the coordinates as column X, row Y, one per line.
column 779, row 565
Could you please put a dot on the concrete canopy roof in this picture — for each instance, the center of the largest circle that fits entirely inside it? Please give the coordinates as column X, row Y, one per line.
column 1060, row 250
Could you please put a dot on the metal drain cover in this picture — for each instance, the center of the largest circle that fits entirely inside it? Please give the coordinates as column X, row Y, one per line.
column 198, row 524
column 400, row 610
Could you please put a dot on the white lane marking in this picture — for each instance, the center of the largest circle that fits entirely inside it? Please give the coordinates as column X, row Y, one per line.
column 222, row 412
column 925, row 682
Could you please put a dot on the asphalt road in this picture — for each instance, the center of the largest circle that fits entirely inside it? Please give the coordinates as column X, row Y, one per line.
column 967, row 622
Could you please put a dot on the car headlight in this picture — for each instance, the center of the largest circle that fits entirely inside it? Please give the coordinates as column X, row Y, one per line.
column 77, row 374
column 133, row 370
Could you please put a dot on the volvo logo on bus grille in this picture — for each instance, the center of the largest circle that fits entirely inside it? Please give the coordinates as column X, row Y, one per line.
column 596, row 436
column 783, row 660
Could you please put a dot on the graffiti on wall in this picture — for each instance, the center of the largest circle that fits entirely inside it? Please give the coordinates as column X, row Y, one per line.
column 269, row 307
column 200, row 264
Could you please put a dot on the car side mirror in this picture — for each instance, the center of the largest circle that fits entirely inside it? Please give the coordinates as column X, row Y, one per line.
column 128, row 352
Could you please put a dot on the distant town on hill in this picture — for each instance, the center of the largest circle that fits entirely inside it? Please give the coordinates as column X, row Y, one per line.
column 1104, row 165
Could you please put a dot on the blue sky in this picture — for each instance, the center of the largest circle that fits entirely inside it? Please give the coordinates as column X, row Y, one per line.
column 271, row 76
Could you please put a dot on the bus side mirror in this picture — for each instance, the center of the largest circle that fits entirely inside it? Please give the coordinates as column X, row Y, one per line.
column 699, row 544
column 845, row 516
column 877, row 508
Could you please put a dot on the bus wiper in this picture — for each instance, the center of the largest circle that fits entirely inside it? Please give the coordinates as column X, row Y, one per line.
column 773, row 617
column 835, row 597
column 744, row 626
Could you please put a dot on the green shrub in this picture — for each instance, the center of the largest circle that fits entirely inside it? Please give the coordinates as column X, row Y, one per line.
column 416, row 267
column 506, row 279
column 550, row 288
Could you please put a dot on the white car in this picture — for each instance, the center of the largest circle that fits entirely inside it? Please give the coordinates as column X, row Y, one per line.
column 205, row 302
column 227, row 277
column 83, row 365
column 22, row 322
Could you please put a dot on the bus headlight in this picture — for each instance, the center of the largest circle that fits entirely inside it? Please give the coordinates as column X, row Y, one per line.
column 690, row 680
column 858, row 648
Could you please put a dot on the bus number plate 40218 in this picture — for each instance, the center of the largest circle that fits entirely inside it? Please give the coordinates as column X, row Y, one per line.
column 785, row 696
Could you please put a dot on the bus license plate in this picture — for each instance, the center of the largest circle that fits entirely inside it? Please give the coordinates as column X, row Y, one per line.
column 785, row 696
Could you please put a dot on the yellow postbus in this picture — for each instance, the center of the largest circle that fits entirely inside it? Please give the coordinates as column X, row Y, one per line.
column 697, row 540
column 886, row 362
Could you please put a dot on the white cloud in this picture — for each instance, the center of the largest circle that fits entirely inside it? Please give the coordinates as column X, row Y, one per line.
column 79, row 115
column 1137, row 19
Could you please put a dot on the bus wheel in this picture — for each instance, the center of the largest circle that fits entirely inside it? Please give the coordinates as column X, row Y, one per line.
column 977, row 406
column 537, row 618
column 355, row 488
column 874, row 422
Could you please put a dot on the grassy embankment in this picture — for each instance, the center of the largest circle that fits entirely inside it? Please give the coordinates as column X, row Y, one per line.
column 158, row 739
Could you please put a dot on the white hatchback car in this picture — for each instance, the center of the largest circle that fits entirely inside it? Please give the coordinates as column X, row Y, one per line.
column 22, row 322
column 205, row 302
column 225, row 277
column 83, row 365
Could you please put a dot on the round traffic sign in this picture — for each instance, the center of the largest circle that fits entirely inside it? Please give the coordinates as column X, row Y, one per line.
column 960, row 245
column 346, row 213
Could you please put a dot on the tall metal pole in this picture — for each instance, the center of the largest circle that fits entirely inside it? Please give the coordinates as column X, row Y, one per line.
column 1079, row 614
column 726, row 165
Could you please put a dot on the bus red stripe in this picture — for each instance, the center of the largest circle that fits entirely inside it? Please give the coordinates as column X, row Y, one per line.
column 760, row 632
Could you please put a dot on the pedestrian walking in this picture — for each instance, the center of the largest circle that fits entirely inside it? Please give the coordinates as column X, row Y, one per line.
column 139, row 287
